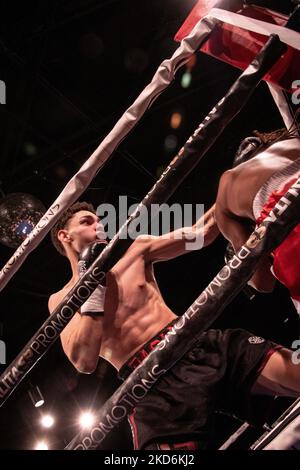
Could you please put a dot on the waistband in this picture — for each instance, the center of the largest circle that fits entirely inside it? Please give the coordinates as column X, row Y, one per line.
column 188, row 445
column 137, row 358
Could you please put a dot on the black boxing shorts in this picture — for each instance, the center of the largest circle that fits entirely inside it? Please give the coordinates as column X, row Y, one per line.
column 217, row 374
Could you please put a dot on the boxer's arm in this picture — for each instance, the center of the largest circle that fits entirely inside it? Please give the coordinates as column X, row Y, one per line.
column 238, row 232
column 181, row 241
column 280, row 376
column 81, row 338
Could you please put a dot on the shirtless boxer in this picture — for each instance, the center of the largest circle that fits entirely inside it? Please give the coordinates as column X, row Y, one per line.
column 218, row 372
column 246, row 195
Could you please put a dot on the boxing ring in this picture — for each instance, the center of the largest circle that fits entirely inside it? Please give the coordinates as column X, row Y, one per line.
column 230, row 279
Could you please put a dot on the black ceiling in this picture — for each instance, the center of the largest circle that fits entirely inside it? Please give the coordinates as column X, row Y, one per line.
column 71, row 69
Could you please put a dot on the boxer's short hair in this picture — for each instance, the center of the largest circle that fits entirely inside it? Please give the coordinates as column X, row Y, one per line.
column 63, row 222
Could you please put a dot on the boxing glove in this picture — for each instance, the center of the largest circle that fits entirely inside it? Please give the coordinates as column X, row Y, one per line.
column 95, row 303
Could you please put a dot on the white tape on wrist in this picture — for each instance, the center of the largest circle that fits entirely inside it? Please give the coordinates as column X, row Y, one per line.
column 94, row 305
column 100, row 231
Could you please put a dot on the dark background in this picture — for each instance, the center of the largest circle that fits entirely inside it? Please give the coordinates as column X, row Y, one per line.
column 71, row 68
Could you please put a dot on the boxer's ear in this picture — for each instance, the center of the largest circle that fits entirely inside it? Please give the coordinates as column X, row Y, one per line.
column 63, row 236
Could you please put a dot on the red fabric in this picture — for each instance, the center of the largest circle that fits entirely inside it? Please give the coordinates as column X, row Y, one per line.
column 190, row 445
column 266, row 360
column 287, row 255
column 238, row 47
column 133, row 430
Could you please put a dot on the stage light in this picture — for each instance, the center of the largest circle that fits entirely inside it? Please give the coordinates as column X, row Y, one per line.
column 86, row 419
column 30, row 149
column 36, row 396
column 186, row 79
column 61, row 172
column 41, row 445
column 170, row 142
column 47, row 421
column 176, row 120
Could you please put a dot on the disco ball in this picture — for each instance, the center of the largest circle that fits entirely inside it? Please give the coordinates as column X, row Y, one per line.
column 19, row 213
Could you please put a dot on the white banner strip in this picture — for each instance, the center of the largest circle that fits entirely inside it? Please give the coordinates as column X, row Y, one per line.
column 288, row 36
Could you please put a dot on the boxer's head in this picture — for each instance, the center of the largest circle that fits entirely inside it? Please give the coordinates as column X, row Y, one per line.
column 269, row 138
column 260, row 141
column 76, row 228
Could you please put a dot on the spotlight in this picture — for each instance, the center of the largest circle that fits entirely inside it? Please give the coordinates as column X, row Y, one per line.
column 186, row 79
column 30, row 149
column 176, row 120
column 61, row 171
column 170, row 143
column 47, row 421
column 36, row 396
column 86, row 419
column 41, row 445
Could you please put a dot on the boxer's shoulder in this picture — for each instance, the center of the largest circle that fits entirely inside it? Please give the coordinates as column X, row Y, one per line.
column 57, row 297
